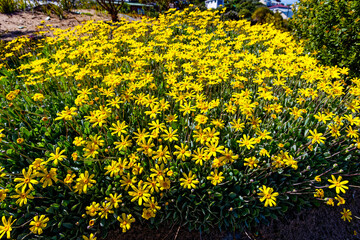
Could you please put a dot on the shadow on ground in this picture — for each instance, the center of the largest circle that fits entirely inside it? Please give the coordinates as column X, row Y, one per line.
column 15, row 34
column 323, row 223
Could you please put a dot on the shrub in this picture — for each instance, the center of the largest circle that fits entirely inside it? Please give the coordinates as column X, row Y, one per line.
column 264, row 15
column 235, row 9
column 183, row 118
column 245, row 13
column 67, row 5
column 52, row 9
column 260, row 14
column 125, row 8
column 8, row 6
column 330, row 30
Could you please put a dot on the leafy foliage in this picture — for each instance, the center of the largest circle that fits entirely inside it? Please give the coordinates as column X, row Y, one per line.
column 242, row 7
column 330, row 30
column 264, row 15
column 8, row 6
column 185, row 118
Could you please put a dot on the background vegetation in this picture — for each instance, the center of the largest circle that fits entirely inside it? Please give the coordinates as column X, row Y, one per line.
column 330, row 30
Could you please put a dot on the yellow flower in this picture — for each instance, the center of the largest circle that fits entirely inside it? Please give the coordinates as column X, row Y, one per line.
column 22, row 196
column 69, row 178
column 84, row 182
column 67, row 114
column 316, row 137
column 79, row 141
column 186, row 108
column 152, row 204
column 91, row 222
column 164, row 183
column 12, row 95
column 1, row 135
column 318, row 178
column 340, row 186
column 91, row 237
column 6, row 228
column 57, row 156
column 268, row 195
column 213, row 148
column 162, row 154
column 105, row 210
column 247, row 142
column 74, row 156
column 48, row 177
column 148, row 213
column 182, row 152
column 119, row 128
column 114, row 199
column 215, row 177
column 346, row 215
column 92, row 209
column 319, row 193
column 264, row 152
column 188, row 181
column 27, row 181
column 140, row 193
column 340, row 200
column 330, row 202
column 38, row 97
column 170, row 173
column 125, row 221
column 251, row 162
column 38, row 224
column 170, row 135
column 3, row 194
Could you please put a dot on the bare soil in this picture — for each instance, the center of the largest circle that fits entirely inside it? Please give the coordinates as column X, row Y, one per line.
column 26, row 22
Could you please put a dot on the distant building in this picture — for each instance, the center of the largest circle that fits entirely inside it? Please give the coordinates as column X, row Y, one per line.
column 212, row 4
column 270, row 3
column 285, row 11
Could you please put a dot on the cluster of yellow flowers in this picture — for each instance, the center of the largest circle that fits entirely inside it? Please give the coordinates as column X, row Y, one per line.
column 175, row 102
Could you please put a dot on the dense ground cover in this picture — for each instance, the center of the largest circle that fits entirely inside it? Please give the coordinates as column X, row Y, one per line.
column 183, row 119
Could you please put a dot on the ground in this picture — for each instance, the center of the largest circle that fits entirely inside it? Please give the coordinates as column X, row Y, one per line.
column 26, row 22
column 322, row 223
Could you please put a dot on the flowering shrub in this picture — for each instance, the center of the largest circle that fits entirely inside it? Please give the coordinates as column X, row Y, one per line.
column 183, row 118
column 330, row 30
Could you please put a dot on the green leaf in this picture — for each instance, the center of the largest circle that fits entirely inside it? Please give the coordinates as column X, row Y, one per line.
column 232, row 195
column 74, row 207
column 68, row 225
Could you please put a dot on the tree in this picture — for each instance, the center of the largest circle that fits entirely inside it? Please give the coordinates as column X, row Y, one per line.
column 112, row 7
column 330, row 30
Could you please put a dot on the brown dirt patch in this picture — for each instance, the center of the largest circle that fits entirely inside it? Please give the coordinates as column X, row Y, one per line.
column 26, row 22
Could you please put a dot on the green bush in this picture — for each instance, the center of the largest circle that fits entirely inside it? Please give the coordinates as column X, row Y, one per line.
column 261, row 14
column 8, row 6
column 331, row 31
column 245, row 13
column 184, row 119
column 235, row 7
